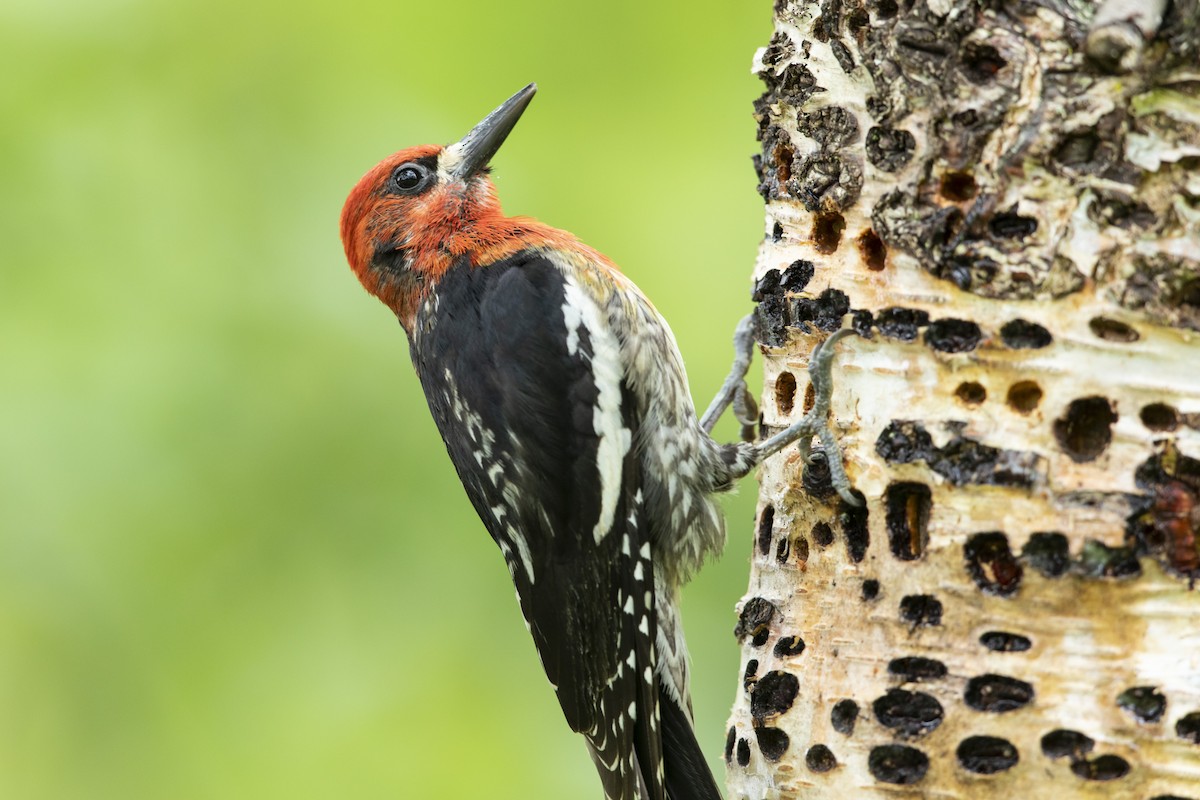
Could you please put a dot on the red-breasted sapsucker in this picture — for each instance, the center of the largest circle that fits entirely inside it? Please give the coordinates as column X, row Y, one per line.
column 562, row 399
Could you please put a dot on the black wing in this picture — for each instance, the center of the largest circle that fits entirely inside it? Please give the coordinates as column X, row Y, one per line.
column 511, row 384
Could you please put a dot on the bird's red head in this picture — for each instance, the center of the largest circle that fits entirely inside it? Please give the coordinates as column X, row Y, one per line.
column 423, row 209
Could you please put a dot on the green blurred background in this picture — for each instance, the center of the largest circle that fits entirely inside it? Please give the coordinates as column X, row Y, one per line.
column 234, row 559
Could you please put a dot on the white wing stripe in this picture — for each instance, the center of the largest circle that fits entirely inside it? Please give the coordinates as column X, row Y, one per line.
column 579, row 309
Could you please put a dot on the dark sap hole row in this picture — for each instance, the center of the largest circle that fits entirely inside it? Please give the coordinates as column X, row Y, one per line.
column 817, row 482
column 911, row 713
column 1082, row 429
column 891, row 763
column 1076, row 748
column 1083, row 432
column 785, row 548
column 774, row 693
column 926, row 610
column 1023, row 396
column 902, row 764
column 915, row 714
column 795, row 550
column 994, row 568
column 1144, row 703
column 989, row 561
column 1160, row 524
column 778, row 309
column 961, row 461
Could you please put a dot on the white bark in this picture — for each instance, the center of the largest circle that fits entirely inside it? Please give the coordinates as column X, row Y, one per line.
column 1018, row 230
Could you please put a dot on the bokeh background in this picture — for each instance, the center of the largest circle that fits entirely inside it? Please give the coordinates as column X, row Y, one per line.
column 234, row 559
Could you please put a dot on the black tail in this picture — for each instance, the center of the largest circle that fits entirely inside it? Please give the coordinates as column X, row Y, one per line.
column 685, row 770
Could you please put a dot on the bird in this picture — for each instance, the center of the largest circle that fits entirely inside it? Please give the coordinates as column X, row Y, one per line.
column 562, row 399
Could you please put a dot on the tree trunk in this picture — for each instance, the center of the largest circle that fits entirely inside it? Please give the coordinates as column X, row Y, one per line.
column 1005, row 197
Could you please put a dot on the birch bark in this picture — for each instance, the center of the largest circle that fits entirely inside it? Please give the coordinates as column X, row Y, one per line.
column 1005, row 200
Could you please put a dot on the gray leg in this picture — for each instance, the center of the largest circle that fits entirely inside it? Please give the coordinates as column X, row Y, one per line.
column 816, row 421
column 734, row 391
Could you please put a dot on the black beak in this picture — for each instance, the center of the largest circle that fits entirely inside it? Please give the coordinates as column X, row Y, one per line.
column 476, row 149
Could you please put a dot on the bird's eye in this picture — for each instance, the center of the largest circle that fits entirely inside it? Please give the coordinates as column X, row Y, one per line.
column 409, row 178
